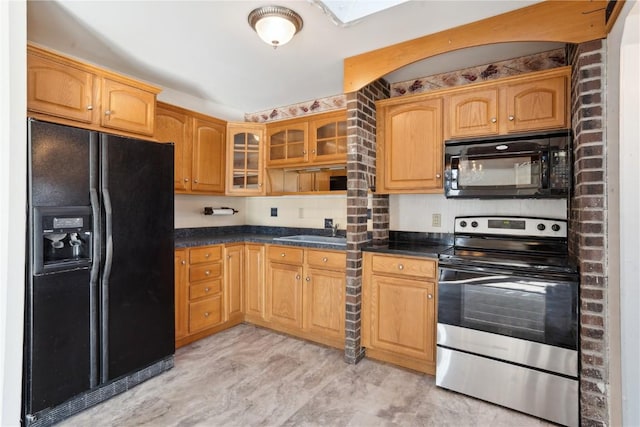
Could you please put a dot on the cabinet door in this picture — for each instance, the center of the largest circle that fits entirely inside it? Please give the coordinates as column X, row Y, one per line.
column 284, row 294
column 181, row 288
column 410, row 147
column 233, row 269
column 473, row 113
column 329, row 138
column 60, row 90
column 175, row 126
column 403, row 317
column 538, row 104
column 127, row 108
column 287, row 144
column 254, row 290
column 324, row 303
column 244, row 158
column 208, row 156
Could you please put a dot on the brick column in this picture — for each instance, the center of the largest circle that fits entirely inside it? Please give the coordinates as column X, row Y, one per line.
column 588, row 226
column 361, row 171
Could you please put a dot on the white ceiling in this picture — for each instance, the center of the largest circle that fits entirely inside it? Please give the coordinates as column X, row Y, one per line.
column 206, row 49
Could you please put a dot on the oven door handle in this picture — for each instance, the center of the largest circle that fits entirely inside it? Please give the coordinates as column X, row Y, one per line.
column 449, row 276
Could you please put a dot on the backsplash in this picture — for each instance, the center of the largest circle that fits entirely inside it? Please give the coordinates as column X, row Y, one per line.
column 413, row 212
column 511, row 67
column 188, row 211
column 293, row 211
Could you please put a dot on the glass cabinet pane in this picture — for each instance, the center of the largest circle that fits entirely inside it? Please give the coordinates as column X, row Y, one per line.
column 246, row 160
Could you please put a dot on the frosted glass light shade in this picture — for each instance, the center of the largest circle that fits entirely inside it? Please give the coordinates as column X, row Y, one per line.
column 275, row 25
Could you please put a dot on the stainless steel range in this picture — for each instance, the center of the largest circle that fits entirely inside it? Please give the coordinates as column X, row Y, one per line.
column 508, row 316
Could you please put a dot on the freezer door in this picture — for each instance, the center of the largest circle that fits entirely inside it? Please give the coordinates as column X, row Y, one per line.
column 59, row 166
column 58, row 331
column 137, row 285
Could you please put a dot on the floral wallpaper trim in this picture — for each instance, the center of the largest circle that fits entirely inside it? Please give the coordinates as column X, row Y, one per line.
column 511, row 67
column 321, row 105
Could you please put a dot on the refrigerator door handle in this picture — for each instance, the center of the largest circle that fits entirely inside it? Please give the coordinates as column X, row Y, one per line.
column 93, row 283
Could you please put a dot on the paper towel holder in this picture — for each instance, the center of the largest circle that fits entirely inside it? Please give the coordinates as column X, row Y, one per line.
column 208, row 210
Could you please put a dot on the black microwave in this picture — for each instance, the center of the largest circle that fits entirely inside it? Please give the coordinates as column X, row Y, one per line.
column 534, row 165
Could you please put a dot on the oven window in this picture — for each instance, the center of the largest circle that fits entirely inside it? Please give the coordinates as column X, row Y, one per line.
column 507, row 171
column 544, row 311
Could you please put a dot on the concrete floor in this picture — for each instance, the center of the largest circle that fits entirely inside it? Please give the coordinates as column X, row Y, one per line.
column 248, row 376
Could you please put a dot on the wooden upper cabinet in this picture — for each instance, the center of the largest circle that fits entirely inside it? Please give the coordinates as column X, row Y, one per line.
column 537, row 104
column 70, row 92
column 329, row 138
column 409, row 150
column 174, row 125
column 287, row 142
column 127, row 108
column 245, row 152
column 60, row 90
column 208, row 165
column 473, row 112
column 522, row 103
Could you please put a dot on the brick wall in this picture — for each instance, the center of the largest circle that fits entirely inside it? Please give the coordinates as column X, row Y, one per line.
column 588, row 226
column 361, row 172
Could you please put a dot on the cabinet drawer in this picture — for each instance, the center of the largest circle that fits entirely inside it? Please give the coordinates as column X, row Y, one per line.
column 205, row 271
column 285, row 254
column 202, row 289
column 402, row 266
column 324, row 259
column 205, row 313
column 205, row 254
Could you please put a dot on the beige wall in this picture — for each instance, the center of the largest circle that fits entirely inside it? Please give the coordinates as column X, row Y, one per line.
column 413, row 212
column 189, row 208
column 302, row 211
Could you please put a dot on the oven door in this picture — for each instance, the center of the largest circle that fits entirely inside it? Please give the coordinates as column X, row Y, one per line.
column 511, row 305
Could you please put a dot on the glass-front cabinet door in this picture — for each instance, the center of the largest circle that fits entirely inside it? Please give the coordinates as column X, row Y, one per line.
column 329, row 138
column 245, row 157
column 287, row 142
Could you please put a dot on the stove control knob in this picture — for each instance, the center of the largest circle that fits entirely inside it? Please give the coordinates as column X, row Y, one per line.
column 463, row 224
column 474, row 224
column 541, row 227
column 555, row 227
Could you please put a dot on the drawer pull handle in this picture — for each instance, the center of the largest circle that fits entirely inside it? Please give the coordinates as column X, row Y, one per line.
column 206, row 314
column 282, row 254
column 207, row 273
column 207, row 255
column 324, row 259
column 430, row 296
column 400, row 267
column 206, row 289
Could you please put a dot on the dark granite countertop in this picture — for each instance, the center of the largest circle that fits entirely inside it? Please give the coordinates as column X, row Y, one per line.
column 428, row 245
column 192, row 237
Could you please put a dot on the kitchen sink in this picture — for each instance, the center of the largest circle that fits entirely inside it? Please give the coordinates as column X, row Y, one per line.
column 307, row 238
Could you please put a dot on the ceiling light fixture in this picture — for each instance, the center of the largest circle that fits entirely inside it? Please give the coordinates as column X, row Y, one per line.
column 276, row 25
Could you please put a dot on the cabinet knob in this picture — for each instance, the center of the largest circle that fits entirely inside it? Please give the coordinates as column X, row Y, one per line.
column 429, row 296
column 400, row 267
column 206, row 289
column 207, row 255
column 325, row 259
column 107, row 113
column 438, row 176
column 228, row 256
column 206, row 314
column 493, row 120
column 304, row 151
column 207, row 273
column 259, row 184
column 89, row 107
column 183, row 262
column 297, row 277
column 313, row 151
column 308, row 279
column 195, row 180
column 186, row 180
column 511, row 118
column 282, row 254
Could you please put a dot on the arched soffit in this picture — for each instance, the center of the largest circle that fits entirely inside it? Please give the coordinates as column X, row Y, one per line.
column 548, row 21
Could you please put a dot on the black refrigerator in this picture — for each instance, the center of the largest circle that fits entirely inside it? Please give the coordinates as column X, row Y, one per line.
column 100, row 272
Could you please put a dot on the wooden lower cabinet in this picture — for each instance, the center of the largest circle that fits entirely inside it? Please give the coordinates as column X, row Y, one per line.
column 209, row 287
column 304, row 293
column 233, row 277
column 399, row 310
column 254, row 282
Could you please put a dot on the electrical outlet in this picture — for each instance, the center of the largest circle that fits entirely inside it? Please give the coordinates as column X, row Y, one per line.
column 274, row 211
column 328, row 222
column 436, row 220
